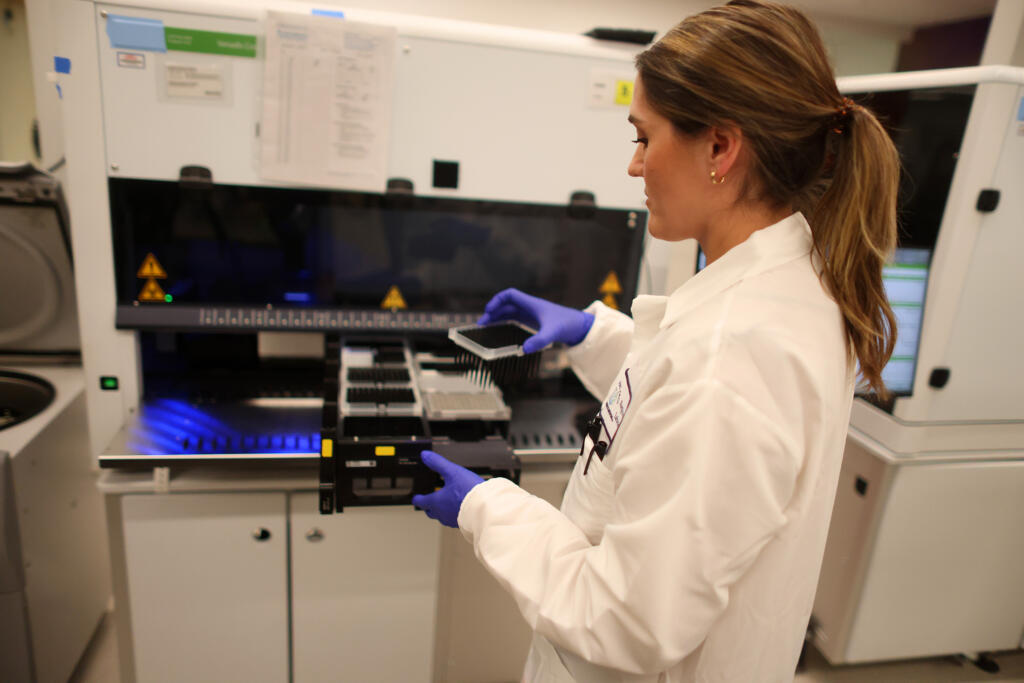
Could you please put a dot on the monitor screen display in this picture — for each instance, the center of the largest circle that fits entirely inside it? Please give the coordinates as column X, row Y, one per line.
column 905, row 280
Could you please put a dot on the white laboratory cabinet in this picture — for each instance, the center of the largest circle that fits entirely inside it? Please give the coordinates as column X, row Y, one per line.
column 364, row 592
column 235, row 577
column 924, row 558
column 214, row 580
column 208, row 586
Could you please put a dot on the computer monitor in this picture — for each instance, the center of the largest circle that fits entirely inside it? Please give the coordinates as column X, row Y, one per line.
column 905, row 280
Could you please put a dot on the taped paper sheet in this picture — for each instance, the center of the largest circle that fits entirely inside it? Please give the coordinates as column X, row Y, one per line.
column 327, row 95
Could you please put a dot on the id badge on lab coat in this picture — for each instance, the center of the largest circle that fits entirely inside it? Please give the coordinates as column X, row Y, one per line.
column 609, row 419
column 613, row 409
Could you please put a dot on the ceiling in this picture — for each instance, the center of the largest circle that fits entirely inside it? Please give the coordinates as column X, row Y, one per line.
column 904, row 13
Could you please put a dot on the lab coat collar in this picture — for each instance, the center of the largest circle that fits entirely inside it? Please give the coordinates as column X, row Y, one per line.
column 647, row 313
column 765, row 249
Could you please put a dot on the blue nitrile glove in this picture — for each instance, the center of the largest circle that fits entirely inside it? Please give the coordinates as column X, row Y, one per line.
column 553, row 322
column 443, row 504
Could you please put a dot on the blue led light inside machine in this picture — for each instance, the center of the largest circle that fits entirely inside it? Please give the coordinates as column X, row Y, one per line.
column 174, row 427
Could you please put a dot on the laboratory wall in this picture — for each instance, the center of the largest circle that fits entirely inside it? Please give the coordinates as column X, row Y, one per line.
column 1004, row 43
column 857, row 47
column 17, row 103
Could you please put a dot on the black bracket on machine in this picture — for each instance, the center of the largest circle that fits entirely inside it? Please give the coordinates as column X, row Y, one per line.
column 988, row 200
column 582, row 204
column 195, row 177
column 329, row 423
column 399, row 186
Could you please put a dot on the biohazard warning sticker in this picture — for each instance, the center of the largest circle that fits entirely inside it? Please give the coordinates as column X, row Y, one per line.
column 610, row 288
column 393, row 299
column 151, row 291
column 151, row 268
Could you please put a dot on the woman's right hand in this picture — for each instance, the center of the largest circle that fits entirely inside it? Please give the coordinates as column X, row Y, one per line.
column 553, row 322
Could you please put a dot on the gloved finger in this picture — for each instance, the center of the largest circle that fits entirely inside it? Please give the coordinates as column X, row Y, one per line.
column 537, row 342
column 427, row 501
column 438, row 463
column 503, row 312
column 505, row 296
column 498, row 300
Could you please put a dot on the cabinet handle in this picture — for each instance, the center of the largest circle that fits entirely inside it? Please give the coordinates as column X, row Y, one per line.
column 261, row 534
column 314, row 535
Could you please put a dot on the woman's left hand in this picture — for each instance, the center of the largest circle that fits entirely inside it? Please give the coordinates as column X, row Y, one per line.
column 444, row 504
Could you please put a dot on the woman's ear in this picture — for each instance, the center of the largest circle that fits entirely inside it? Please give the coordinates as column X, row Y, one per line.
column 724, row 145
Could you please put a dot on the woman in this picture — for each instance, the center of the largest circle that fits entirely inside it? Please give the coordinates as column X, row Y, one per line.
column 690, row 538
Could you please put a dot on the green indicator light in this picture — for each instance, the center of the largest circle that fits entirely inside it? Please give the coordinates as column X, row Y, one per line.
column 168, row 298
column 108, row 383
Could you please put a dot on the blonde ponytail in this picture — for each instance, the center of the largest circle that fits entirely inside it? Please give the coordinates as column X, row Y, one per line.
column 854, row 228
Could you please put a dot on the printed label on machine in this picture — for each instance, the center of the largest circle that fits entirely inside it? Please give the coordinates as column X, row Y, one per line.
column 131, row 60
column 609, row 89
column 194, row 82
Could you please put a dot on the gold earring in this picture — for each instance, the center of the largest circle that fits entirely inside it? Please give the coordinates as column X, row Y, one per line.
column 719, row 181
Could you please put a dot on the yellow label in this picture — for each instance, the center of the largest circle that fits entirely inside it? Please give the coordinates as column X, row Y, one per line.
column 151, row 291
column 384, row 450
column 611, row 284
column 623, row 92
column 610, row 302
column 326, row 448
column 151, row 268
column 393, row 299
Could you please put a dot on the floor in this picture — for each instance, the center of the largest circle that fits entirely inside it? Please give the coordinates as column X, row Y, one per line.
column 99, row 665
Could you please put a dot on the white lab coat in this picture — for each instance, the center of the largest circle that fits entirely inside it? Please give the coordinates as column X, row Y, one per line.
column 692, row 551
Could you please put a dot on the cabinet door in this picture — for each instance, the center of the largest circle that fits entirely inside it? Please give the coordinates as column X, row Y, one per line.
column 364, row 593
column 207, row 585
column 944, row 574
column 481, row 635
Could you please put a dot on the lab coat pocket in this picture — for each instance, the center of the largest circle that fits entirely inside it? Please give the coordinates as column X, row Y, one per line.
column 588, row 499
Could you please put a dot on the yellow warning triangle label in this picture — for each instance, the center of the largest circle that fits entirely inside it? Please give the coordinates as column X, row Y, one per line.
column 393, row 299
column 610, row 302
column 611, row 284
column 151, row 268
column 151, row 291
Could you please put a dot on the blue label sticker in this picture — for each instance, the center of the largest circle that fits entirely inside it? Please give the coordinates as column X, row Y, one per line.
column 136, row 33
column 62, row 65
column 1020, row 110
column 337, row 14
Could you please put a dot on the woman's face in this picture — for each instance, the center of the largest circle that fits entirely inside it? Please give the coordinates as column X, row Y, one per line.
column 675, row 172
